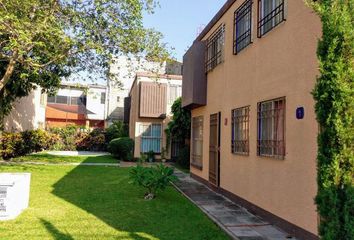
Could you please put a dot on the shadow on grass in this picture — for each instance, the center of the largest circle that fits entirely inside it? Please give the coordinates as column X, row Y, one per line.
column 56, row 234
column 106, row 193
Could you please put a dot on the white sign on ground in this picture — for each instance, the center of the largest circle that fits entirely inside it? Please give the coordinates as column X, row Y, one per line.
column 14, row 194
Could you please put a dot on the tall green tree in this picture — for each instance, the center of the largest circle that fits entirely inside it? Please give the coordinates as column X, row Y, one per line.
column 43, row 40
column 334, row 95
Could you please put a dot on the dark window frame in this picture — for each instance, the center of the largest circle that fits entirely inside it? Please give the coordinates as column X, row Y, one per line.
column 215, row 56
column 275, row 146
column 240, row 116
column 245, row 39
column 271, row 17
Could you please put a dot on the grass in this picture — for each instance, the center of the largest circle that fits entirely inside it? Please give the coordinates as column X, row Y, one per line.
column 86, row 202
column 48, row 158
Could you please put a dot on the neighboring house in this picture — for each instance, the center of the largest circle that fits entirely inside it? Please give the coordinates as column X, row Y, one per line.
column 150, row 100
column 248, row 79
column 123, row 71
column 28, row 113
column 81, row 105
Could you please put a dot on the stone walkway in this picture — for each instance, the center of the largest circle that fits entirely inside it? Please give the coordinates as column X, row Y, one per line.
column 233, row 219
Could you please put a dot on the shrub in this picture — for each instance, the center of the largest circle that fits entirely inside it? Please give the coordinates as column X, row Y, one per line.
column 117, row 130
column 122, row 148
column 154, row 179
column 93, row 141
column 11, row 145
column 19, row 144
column 67, row 135
column 35, row 140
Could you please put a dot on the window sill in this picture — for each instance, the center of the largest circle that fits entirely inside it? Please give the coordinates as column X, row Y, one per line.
column 272, row 157
column 197, row 166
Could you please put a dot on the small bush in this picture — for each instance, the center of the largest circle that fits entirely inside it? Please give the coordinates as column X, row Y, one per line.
column 93, row 141
column 117, row 130
column 67, row 135
column 122, row 148
column 19, row 144
column 153, row 179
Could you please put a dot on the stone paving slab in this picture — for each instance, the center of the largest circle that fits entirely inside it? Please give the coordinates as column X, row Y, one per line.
column 235, row 220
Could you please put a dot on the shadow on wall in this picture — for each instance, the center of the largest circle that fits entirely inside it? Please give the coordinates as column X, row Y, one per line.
column 117, row 114
column 22, row 116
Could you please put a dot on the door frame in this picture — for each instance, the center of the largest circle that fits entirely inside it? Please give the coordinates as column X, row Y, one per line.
column 218, row 136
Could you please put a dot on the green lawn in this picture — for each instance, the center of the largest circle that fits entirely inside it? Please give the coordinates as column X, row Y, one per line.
column 86, row 202
column 47, row 158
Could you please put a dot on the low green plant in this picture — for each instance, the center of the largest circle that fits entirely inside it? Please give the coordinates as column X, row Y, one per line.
column 122, row 148
column 117, row 130
column 143, row 158
column 154, row 179
column 151, row 156
column 19, row 144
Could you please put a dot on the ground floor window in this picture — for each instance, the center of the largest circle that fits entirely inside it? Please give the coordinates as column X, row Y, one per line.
column 197, row 144
column 151, row 137
column 271, row 128
column 240, row 130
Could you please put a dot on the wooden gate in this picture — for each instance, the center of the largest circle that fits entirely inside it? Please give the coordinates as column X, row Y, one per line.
column 214, row 146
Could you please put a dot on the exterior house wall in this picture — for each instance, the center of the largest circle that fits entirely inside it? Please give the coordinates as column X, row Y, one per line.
column 28, row 113
column 123, row 72
column 135, row 121
column 282, row 63
column 90, row 113
column 96, row 108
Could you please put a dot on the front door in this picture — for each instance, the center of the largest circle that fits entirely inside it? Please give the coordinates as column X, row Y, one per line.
column 214, row 146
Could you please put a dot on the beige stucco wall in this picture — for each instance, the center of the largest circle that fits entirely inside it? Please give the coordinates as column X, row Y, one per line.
column 28, row 113
column 281, row 63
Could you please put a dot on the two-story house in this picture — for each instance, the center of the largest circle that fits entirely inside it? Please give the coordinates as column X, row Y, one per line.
column 247, row 79
column 150, row 100
column 82, row 105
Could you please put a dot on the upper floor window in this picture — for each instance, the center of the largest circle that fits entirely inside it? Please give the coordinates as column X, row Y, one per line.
column 271, row 128
column 67, row 100
column 175, row 91
column 271, row 13
column 240, row 130
column 215, row 49
column 103, row 97
column 243, row 26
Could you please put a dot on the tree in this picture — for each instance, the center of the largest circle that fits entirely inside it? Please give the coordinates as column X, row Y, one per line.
column 44, row 40
column 179, row 130
column 334, row 96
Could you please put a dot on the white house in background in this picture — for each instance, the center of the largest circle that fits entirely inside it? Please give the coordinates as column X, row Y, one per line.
column 96, row 103
column 28, row 113
column 123, row 71
column 78, row 104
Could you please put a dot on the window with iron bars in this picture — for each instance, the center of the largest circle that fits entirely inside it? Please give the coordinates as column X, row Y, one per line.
column 243, row 26
column 240, row 130
column 215, row 49
column 271, row 14
column 271, row 128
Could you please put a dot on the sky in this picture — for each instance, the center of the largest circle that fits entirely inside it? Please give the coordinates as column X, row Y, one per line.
column 179, row 21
